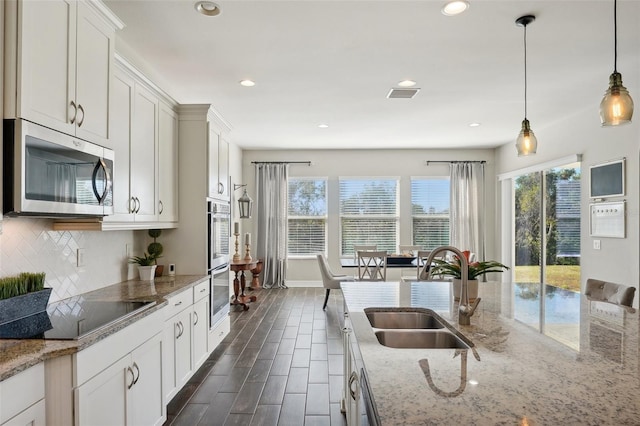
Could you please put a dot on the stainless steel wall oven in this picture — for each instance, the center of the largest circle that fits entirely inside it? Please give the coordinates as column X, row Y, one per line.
column 219, row 220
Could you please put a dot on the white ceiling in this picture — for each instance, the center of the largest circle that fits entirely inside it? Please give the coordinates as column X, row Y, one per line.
column 334, row 62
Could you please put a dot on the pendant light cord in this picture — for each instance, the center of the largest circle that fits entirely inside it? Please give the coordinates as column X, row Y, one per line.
column 615, row 36
column 525, row 71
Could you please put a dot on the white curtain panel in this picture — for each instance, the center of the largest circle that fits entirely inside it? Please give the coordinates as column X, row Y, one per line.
column 271, row 241
column 467, row 207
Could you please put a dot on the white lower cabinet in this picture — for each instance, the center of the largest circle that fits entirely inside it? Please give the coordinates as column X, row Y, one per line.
column 22, row 398
column 351, row 402
column 129, row 392
column 200, row 332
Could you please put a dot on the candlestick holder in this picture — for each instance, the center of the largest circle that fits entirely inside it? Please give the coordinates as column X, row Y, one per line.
column 247, row 254
column 236, row 256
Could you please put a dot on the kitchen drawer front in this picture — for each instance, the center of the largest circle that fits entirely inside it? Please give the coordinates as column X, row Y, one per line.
column 200, row 290
column 99, row 356
column 178, row 303
column 21, row 391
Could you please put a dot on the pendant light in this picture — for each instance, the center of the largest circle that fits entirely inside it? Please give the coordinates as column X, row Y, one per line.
column 526, row 144
column 617, row 106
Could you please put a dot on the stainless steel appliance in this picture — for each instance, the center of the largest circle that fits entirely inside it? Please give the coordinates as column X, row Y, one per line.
column 48, row 173
column 219, row 219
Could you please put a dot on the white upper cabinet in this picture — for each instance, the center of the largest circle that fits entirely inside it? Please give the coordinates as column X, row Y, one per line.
column 59, row 57
column 218, row 161
column 167, row 164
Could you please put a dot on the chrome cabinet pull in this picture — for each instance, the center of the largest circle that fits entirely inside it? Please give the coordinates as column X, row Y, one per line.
column 137, row 204
column 82, row 120
column 135, row 365
column 160, row 207
column 353, row 378
column 75, row 112
column 178, row 304
column 132, row 209
column 220, row 188
column 195, row 315
column 132, row 378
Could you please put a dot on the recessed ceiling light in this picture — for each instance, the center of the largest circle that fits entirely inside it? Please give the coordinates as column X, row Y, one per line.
column 473, row 382
column 247, row 83
column 323, row 126
column 455, row 7
column 208, row 8
column 475, row 124
column 406, row 83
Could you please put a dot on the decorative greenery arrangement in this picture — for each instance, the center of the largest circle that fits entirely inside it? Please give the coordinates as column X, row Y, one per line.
column 144, row 260
column 476, row 269
column 155, row 248
column 26, row 282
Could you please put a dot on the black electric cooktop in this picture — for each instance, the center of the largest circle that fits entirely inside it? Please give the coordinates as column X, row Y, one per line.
column 71, row 318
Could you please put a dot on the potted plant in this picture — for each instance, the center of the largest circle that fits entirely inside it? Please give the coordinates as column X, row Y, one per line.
column 476, row 269
column 22, row 295
column 155, row 249
column 146, row 266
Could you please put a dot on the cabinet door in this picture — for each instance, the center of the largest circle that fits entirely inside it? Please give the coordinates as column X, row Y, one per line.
column 143, row 149
column 212, row 162
column 47, row 36
column 167, row 165
column 183, row 354
column 121, row 107
column 145, row 400
column 223, row 168
column 101, row 401
column 200, row 332
column 32, row 416
column 93, row 70
column 169, row 379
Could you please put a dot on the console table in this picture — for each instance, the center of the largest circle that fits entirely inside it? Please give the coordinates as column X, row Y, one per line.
column 239, row 283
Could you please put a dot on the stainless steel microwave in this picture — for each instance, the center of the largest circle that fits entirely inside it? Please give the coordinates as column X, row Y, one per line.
column 48, row 173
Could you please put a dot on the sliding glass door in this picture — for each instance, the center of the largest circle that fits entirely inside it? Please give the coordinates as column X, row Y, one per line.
column 547, row 251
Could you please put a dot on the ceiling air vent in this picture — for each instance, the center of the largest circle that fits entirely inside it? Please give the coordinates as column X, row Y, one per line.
column 402, row 93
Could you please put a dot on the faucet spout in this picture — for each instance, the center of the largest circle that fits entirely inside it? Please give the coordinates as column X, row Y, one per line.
column 465, row 310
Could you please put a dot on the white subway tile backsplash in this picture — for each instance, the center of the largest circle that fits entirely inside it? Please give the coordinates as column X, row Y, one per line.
column 30, row 245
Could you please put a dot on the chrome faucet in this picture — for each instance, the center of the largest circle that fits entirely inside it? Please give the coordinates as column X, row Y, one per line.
column 465, row 310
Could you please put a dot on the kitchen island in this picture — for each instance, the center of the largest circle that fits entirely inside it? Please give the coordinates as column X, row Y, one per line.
column 513, row 374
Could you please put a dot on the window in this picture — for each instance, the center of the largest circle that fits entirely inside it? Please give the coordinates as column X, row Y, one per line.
column 430, row 211
column 369, row 213
column 307, row 216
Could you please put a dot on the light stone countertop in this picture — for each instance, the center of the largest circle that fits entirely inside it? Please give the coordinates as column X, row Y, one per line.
column 523, row 377
column 18, row 355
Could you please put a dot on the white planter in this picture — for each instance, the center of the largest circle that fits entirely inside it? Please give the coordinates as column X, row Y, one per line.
column 147, row 272
column 472, row 289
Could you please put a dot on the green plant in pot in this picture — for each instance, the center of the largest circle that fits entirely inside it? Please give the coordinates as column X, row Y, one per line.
column 155, row 249
column 22, row 295
column 146, row 266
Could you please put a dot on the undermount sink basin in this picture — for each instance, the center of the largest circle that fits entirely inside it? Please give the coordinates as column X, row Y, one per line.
column 420, row 339
column 403, row 319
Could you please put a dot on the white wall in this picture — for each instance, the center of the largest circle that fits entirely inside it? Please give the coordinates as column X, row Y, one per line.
column 333, row 164
column 617, row 260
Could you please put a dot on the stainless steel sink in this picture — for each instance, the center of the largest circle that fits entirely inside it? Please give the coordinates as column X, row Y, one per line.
column 403, row 319
column 420, row 339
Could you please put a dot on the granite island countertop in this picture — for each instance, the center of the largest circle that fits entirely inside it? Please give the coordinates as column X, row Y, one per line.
column 18, row 355
column 522, row 376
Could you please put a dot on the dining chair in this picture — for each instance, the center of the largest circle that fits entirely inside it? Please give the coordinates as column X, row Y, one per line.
column 409, row 250
column 421, row 257
column 330, row 281
column 603, row 291
column 372, row 265
column 356, row 249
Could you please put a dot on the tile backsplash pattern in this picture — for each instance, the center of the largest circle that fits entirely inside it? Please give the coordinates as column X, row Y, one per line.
column 30, row 245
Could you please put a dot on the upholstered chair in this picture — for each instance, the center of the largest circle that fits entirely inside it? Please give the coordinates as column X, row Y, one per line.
column 329, row 279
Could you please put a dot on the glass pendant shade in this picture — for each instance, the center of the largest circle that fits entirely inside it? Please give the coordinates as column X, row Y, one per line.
column 526, row 144
column 245, row 205
column 616, row 107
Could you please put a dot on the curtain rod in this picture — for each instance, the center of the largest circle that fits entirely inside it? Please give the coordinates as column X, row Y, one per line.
column 427, row 162
column 308, row 163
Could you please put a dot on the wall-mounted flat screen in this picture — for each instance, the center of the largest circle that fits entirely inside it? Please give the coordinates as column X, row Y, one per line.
column 607, row 179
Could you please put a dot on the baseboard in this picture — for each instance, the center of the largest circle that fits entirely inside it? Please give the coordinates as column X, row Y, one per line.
column 294, row 283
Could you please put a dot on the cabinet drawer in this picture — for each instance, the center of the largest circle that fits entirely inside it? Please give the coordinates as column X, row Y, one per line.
column 178, row 302
column 200, row 290
column 19, row 392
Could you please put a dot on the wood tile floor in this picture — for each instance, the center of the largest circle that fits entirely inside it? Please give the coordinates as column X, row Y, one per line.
column 280, row 365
